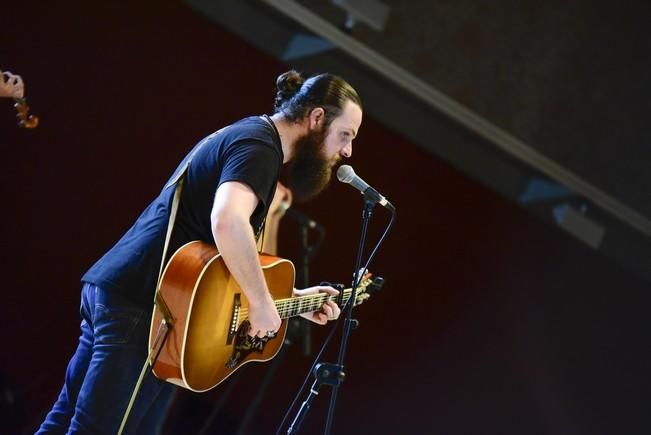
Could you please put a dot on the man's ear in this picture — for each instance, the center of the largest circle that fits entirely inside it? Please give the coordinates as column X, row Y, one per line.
column 317, row 115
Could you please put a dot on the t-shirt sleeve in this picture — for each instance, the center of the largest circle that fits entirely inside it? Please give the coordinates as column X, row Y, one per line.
column 254, row 163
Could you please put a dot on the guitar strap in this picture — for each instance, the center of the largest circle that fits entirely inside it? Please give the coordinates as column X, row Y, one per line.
column 177, row 181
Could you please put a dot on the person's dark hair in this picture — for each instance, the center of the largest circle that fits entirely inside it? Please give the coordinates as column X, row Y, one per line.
column 296, row 96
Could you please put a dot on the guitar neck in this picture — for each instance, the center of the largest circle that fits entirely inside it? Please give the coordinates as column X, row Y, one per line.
column 295, row 306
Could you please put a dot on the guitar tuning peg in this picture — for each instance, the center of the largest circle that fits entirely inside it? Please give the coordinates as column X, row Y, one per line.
column 363, row 273
column 376, row 284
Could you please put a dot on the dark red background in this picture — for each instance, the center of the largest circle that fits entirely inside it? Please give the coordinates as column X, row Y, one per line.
column 490, row 321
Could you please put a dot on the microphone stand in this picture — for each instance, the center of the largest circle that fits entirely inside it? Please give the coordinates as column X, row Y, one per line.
column 308, row 251
column 302, row 325
column 296, row 327
column 328, row 373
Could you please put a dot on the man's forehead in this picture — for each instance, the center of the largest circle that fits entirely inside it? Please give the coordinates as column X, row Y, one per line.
column 350, row 118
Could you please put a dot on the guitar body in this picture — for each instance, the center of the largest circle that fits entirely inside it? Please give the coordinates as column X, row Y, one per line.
column 207, row 308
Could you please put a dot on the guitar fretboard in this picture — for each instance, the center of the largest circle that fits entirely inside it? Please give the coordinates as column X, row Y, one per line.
column 292, row 307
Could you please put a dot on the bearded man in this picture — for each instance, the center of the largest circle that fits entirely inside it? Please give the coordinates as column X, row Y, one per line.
column 230, row 179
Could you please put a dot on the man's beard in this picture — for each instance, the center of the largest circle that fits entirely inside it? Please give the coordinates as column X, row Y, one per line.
column 309, row 170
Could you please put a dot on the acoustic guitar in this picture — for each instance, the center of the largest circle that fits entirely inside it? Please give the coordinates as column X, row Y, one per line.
column 207, row 340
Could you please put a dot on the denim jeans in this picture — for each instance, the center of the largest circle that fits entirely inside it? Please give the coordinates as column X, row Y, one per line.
column 104, row 370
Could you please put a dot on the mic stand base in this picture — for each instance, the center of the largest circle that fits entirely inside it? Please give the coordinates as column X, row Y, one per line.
column 324, row 373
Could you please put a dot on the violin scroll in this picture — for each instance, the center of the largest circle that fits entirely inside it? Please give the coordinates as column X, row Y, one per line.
column 25, row 119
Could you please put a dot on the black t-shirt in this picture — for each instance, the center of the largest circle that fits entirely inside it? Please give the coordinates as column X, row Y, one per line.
column 248, row 151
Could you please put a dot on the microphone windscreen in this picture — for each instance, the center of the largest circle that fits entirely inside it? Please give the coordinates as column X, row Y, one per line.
column 345, row 173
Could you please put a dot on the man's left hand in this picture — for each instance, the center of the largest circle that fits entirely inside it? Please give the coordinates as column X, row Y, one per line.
column 329, row 310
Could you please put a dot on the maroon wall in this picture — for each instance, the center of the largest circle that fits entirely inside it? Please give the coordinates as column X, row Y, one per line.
column 490, row 321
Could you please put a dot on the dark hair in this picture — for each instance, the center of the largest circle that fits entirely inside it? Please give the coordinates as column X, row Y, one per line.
column 296, row 96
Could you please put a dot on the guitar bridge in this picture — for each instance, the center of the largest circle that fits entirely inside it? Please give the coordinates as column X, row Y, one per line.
column 244, row 345
column 235, row 318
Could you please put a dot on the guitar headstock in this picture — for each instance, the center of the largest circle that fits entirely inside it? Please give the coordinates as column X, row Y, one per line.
column 368, row 287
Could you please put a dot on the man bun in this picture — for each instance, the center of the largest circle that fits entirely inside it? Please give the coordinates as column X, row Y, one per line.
column 287, row 85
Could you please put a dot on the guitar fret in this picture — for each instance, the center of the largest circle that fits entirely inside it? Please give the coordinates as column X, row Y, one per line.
column 309, row 304
column 317, row 302
column 300, row 301
column 286, row 309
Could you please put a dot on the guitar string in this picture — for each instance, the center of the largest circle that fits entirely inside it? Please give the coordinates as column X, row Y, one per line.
column 286, row 304
column 289, row 306
column 310, row 303
column 292, row 306
column 313, row 301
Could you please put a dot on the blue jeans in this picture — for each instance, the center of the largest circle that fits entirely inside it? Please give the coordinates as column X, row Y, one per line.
column 104, row 370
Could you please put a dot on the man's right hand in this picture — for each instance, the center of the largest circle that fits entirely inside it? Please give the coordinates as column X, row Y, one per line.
column 230, row 220
column 263, row 318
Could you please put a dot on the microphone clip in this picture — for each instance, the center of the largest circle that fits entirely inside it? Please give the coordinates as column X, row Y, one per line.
column 373, row 195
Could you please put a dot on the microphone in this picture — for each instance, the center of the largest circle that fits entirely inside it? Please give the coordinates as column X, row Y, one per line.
column 347, row 175
column 300, row 217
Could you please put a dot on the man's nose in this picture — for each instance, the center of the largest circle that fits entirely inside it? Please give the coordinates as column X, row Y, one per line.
column 347, row 151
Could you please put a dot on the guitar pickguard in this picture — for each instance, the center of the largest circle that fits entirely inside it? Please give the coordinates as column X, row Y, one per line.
column 244, row 345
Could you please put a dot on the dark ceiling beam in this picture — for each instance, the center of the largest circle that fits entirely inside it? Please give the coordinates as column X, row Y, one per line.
column 475, row 123
column 441, row 125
